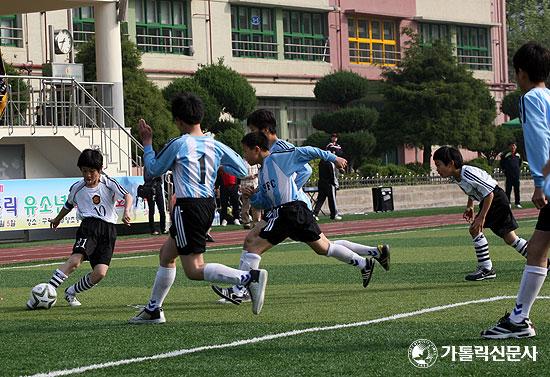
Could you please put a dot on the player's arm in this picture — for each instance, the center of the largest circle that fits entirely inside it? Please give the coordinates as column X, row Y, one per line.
column 121, row 193
column 127, row 207
column 54, row 223
column 479, row 220
column 546, row 173
column 302, row 155
column 156, row 165
column 469, row 211
column 302, row 175
column 232, row 163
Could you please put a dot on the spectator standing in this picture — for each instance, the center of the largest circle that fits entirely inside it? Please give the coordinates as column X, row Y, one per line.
column 510, row 163
column 229, row 196
column 251, row 180
column 155, row 196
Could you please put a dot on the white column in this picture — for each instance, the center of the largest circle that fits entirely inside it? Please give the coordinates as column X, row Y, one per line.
column 108, row 53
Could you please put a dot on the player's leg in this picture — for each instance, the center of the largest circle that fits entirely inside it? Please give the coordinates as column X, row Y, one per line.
column 323, row 246
column 484, row 268
column 518, row 243
column 380, row 253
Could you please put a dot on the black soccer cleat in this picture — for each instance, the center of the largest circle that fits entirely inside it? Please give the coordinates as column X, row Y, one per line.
column 505, row 329
column 366, row 273
column 384, row 257
column 481, row 274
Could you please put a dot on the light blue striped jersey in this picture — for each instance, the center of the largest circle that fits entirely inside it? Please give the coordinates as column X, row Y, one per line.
column 535, row 119
column 276, row 185
column 194, row 161
column 301, row 176
column 475, row 182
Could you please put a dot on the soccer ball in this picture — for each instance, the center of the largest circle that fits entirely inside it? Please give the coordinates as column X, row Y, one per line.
column 43, row 296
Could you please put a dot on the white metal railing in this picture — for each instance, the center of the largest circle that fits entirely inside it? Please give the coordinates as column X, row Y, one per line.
column 164, row 43
column 82, row 36
column 11, row 36
column 51, row 103
column 305, row 51
column 254, row 48
column 374, row 56
column 477, row 62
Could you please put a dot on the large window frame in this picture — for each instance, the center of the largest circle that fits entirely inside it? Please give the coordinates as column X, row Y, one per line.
column 11, row 33
column 83, row 24
column 473, row 47
column 253, row 32
column 373, row 41
column 306, row 36
column 431, row 32
column 162, row 26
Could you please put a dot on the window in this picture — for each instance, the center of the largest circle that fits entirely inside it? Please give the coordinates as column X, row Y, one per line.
column 11, row 33
column 472, row 44
column 83, row 24
column 433, row 32
column 253, row 32
column 372, row 41
column 306, row 36
column 161, row 26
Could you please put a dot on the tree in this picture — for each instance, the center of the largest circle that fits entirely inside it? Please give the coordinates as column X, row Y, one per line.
column 232, row 91
column 431, row 99
column 527, row 20
column 510, row 104
column 142, row 99
column 350, row 116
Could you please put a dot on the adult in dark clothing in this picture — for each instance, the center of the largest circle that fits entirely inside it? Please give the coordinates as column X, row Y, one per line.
column 229, row 195
column 510, row 163
column 328, row 183
column 154, row 194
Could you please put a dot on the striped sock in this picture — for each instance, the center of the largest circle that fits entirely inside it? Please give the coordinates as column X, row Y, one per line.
column 521, row 246
column 58, row 277
column 482, row 251
column 82, row 285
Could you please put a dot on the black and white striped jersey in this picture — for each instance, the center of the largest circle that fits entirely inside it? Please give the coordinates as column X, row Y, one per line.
column 99, row 201
column 475, row 182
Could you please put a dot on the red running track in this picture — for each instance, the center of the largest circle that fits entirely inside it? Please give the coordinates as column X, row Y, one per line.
column 139, row 245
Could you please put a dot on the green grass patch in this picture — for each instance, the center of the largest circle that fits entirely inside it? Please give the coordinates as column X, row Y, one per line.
column 304, row 291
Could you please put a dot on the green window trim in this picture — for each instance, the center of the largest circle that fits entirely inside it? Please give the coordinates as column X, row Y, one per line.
column 83, row 24
column 473, row 47
column 10, row 32
column 250, row 40
column 373, row 41
column 430, row 32
column 306, row 36
column 163, row 37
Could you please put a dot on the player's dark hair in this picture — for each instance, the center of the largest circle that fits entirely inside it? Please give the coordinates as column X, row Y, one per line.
column 90, row 158
column 263, row 119
column 447, row 154
column 533, row 59
column 188, row 108
column 256, row 139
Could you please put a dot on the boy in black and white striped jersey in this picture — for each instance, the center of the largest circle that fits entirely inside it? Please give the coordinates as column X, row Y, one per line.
column 494, row 208
column 95, row 198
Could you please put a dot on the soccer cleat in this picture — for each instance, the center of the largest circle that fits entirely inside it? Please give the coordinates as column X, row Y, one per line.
column 229, row 296
column 236, row 222
column 519, row 206
column 256, row 287
column 481, row 274
column 384, row 257
column 209, row 238
column 505, row 329
column 337, row 218
column 366, row 273
column 71, row 299
column 148, row 317
column 316, row 217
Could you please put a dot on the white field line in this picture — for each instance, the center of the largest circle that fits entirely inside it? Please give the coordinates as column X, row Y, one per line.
column 239, row 247
column 237, row 343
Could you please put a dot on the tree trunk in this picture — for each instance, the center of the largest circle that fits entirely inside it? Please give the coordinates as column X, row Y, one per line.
column 427, row 155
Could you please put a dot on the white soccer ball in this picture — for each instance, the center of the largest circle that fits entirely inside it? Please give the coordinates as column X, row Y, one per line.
column 43, row 296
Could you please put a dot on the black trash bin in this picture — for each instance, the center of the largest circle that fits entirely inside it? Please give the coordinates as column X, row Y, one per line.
column 382, row 199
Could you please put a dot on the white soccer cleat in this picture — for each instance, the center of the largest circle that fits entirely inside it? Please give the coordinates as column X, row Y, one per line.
column 256, row 287
column 72, row 300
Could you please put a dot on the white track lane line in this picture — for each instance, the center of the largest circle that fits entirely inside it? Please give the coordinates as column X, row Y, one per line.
column 237, row 343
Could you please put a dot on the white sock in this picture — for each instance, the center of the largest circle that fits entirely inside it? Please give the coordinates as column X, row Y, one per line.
column 249, row 261
column 346, row 255
column 482, row 251
column 58, row 277
column 371, row 251
column 216, row 272
column 520, row 245
column 163, row 282
column 531, row 283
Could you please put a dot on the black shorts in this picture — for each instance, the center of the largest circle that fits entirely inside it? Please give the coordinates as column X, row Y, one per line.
column 543, row 222
column 292, row 220
column 191, row 219
column 95, row 239
column 500, row 218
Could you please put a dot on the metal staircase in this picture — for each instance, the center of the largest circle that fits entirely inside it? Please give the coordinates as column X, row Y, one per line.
column 81, row 112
